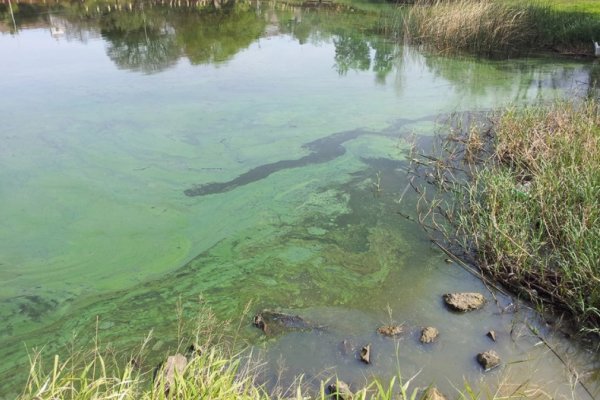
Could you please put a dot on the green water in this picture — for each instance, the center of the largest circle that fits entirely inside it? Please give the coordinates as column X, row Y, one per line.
column 113, row 122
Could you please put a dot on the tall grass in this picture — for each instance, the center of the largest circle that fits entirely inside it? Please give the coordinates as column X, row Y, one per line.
column 211, row 375
column 526, row 203
column 533, row 216
column 215, row 373
column 495, row 27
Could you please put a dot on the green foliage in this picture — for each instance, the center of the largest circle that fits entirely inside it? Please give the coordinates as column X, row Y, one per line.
column 587, row 6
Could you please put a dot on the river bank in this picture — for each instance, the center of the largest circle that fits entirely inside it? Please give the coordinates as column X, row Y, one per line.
column 526, row 199
column 214, row 370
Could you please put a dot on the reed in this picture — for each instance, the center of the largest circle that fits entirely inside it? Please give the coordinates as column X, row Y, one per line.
column 533, row 215
column 495, row 27
column 520, row 198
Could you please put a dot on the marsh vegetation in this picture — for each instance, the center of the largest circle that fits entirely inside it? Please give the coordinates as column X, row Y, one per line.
column 527, row 204
column 499, row 28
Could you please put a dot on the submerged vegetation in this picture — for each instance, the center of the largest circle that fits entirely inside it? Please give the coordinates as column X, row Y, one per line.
column 491, row 27
column 529, row 211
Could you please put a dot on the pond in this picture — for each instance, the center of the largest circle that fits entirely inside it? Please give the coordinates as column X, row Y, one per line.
column 159, row 156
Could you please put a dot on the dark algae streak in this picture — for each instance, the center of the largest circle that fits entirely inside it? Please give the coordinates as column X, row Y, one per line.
column 321, row 151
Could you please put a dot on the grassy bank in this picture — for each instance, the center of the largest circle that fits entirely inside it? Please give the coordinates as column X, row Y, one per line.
column 496, row 27
column 528, row 208
column 217, row 373
column 534, row 215
column 218, row 366
column 214, row 374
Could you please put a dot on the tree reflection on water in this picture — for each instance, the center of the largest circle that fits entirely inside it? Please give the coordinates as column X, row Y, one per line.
column 151, row 37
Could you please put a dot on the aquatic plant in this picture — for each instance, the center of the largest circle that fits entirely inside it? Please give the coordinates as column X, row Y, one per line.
column 377, row 184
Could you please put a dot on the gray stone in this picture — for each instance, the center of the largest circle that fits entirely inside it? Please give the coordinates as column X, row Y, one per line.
column 365, row 354
column 175, row 365
column 340, row 391
column 488, row 359
column 275, row 322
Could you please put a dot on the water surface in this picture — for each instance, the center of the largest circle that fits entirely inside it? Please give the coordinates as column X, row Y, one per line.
column 155, row 155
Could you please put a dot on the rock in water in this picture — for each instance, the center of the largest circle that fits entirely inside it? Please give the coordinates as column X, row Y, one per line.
column 390, row 330
column 429, row 334
column 365, row 354
column 174, row 365
column 464, row 301
column 491, row 335
column 433, row 394
column 340, row 391
column 488, row 359
column 260, row 323
column 275, row 322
